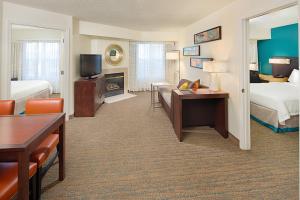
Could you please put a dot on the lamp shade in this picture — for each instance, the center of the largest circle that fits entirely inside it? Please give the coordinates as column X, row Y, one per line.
column 172, row 55
column 279, row 61
column 214, row 67
column 253, row 67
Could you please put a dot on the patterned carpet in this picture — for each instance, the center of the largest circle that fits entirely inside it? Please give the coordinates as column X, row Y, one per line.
column 128, row 151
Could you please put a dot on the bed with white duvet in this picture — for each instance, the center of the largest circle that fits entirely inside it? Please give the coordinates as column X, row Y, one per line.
column 276, row 105
column 23, row 90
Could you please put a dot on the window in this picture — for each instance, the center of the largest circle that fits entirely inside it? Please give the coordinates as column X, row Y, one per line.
column 147, row 64
column 37, row 60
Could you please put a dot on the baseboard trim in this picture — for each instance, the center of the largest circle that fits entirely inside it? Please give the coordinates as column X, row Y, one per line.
column 233, row 139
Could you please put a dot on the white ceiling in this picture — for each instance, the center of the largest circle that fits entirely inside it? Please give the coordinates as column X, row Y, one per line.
column 144, row 15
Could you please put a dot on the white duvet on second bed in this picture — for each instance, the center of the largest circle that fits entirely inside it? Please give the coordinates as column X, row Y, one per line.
column 23, row 89
column 282, row 97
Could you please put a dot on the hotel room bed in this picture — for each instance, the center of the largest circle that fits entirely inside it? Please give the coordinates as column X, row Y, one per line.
column 23, row 90
column 275, row 105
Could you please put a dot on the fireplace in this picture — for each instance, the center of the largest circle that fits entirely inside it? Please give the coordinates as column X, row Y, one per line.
column 114, row 84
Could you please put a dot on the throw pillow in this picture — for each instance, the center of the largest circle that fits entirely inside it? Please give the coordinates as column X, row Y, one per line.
column 182, row 81
column 195, row 84
column 184, row 86
column 254, row 77
column 294, row 77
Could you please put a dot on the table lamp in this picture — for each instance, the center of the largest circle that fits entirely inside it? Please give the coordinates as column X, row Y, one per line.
column 214, row 67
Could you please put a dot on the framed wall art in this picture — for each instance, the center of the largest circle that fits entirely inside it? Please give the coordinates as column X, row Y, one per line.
column 208, row 35
column 198, row 62
column 191, row 51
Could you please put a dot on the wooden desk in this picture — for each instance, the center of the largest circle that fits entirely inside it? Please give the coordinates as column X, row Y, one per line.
column 20, row 135
column 200, row 108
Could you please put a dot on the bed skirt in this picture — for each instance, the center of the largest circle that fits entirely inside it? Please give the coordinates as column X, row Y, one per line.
column 20, row 103
column 269, row 118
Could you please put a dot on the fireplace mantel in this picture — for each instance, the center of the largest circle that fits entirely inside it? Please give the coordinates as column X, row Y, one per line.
column 124, row 70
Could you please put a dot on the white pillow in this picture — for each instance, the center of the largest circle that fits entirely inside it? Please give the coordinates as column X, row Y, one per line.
column 294, row 77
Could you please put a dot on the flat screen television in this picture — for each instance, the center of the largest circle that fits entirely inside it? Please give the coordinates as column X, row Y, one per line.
column 90, row 65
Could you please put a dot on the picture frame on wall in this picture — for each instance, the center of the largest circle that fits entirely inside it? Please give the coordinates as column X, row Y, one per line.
column 208, row 35
column 191, row 51
column 197, row 62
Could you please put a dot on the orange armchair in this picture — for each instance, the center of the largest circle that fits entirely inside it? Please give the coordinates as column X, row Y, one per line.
column 42, row 152
column 7, row 107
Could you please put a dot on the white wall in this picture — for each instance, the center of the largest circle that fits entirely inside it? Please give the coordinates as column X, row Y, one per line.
column 22, row 15
column 230, row 48
column 1, row 13
column 260, row 27
column 259, row 32
column 95, row 29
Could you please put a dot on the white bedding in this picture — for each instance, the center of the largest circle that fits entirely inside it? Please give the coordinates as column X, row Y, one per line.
column 282, row 97
column 23, row 89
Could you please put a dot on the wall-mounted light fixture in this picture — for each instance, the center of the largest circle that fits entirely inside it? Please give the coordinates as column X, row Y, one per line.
column 282, row 61
column 253, row 67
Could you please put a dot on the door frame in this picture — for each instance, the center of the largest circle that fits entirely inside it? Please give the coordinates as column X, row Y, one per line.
column 65, row 60
column 245, row 137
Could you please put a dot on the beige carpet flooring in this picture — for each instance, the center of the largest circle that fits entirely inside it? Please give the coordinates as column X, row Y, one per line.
column 128, row 151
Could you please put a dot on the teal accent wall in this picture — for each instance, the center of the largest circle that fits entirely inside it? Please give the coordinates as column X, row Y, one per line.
column 283, row 42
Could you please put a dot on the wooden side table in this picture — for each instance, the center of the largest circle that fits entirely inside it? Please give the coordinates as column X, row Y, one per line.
column 154, row 89
column 200, row 108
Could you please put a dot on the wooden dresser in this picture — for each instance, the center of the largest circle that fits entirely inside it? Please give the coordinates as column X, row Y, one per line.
column 89, row 95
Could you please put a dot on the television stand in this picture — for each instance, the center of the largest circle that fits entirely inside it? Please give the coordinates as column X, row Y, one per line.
column 89, row 96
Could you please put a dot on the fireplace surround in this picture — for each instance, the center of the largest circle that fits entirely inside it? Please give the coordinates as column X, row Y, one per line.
column 114, row 84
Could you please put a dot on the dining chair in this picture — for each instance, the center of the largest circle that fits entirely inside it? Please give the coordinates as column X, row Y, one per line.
column 9, row 170
column 48, row 145
column 9, row 180
column 7, row 107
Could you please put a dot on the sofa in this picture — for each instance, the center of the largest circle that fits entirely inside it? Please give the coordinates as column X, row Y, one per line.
column 165, row 98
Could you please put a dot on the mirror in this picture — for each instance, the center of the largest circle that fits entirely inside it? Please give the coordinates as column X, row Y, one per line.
column 114, row 54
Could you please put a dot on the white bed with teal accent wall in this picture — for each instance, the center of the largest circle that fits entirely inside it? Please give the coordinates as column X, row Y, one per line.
column 276, row 105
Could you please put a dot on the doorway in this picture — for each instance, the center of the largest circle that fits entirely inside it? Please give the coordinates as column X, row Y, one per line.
column 36, row 64
column 270, row 56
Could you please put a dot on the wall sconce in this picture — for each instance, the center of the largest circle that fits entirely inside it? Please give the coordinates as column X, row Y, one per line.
column 281, row 61
column 253, row 67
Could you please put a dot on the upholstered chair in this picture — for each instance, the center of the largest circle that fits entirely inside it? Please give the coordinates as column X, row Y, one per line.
column 50, row 143
column 9, row 180
column 7, row 107
column 9, row 170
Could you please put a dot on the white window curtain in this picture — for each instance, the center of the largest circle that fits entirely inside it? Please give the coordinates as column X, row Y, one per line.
column 147, row 64
column 37, row 60
column 16, row 57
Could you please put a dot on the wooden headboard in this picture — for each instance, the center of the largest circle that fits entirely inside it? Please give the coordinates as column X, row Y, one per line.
column 285, row 70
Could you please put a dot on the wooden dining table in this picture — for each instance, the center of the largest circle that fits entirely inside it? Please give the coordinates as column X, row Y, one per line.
column 20, row 135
